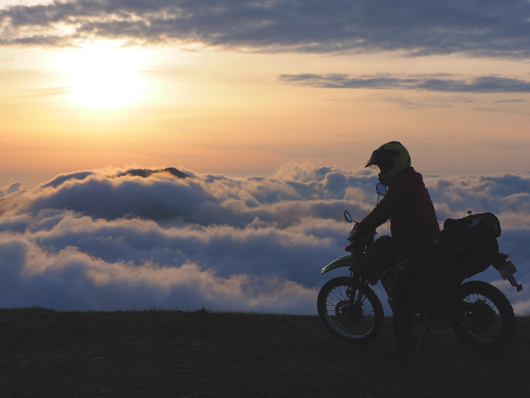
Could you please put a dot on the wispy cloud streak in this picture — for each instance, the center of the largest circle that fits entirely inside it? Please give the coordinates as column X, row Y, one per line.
column 435, row 83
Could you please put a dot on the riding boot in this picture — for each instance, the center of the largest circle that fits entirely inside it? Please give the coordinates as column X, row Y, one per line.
column 403, row 323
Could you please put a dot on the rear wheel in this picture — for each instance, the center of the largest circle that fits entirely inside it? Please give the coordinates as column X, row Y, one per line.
column 358, row 322
column 488, row 321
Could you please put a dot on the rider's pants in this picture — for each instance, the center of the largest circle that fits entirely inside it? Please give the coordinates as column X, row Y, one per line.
column 403, row 292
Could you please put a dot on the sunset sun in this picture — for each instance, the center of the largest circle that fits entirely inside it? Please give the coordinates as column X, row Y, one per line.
column 103, row 76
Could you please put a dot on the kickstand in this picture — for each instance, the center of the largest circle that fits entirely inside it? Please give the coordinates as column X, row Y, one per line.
column 427, row 327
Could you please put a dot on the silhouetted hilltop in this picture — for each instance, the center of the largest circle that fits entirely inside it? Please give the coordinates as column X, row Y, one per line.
column 147, row 172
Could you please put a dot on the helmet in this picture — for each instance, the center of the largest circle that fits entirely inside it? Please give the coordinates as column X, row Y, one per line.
column 392, row 158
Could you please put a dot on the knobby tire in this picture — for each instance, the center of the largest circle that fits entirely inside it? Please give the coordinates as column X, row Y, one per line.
column 489, row 329
column 361, row 325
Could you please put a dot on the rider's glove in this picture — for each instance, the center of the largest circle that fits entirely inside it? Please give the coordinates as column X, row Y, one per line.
column 353, row 234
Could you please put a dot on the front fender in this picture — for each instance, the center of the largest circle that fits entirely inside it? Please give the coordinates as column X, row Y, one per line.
column 377, row 264
column 345, row 261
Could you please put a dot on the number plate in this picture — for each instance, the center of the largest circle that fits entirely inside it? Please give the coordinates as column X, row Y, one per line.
column 507, row 269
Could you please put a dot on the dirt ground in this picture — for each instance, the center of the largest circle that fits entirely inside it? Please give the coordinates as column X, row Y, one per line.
column 45, row 353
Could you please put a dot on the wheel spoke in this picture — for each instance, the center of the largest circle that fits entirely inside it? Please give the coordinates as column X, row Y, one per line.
column 484, row 324
column 488, row 322
column 356, row 322
column 353, row 315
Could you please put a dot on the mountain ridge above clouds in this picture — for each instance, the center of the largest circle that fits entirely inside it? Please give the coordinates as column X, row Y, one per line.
column 148, row 172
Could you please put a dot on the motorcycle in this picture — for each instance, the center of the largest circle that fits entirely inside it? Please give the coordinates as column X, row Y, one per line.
column 480, row 314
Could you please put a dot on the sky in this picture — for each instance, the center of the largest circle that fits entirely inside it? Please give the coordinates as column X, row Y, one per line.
column 270, row 106
column 246, row 87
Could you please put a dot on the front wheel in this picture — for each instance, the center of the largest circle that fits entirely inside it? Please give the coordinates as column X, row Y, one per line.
column 356, row 319
column 487, row 321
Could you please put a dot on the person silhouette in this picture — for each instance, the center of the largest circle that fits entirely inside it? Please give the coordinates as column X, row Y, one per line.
column 413, row 225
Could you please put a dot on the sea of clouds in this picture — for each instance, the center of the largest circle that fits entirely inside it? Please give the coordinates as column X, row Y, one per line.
column 116, row 239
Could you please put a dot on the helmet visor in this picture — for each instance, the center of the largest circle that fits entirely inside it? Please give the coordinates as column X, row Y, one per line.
column 382, row 155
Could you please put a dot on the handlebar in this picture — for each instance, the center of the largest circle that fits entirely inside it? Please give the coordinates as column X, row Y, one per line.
column 359, row 241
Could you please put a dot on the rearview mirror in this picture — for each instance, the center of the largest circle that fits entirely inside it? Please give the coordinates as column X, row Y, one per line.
column 348, row 216
column 380, row 189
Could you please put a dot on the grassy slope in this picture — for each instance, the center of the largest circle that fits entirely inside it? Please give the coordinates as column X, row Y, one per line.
column 46, row 353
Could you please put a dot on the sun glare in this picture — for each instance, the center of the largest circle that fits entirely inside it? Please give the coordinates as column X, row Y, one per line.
column 103, row 75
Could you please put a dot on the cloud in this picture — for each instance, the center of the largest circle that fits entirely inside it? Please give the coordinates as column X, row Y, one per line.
column 131, row 239
column 12, row 188
column 61, row 178
column 495, row 28
column 433, row 83
column 510, row 100
column 69, row 279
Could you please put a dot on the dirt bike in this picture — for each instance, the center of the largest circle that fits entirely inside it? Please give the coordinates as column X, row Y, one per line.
column 480, row 314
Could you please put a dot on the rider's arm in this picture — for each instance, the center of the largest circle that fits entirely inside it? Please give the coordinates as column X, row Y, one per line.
column 387, row 207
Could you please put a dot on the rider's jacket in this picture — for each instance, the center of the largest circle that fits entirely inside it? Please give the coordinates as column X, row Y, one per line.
column 408, row 205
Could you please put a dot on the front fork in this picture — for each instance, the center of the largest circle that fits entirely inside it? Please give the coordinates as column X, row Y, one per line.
column 355, row 297
column 357, row 280
column 354, row 294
